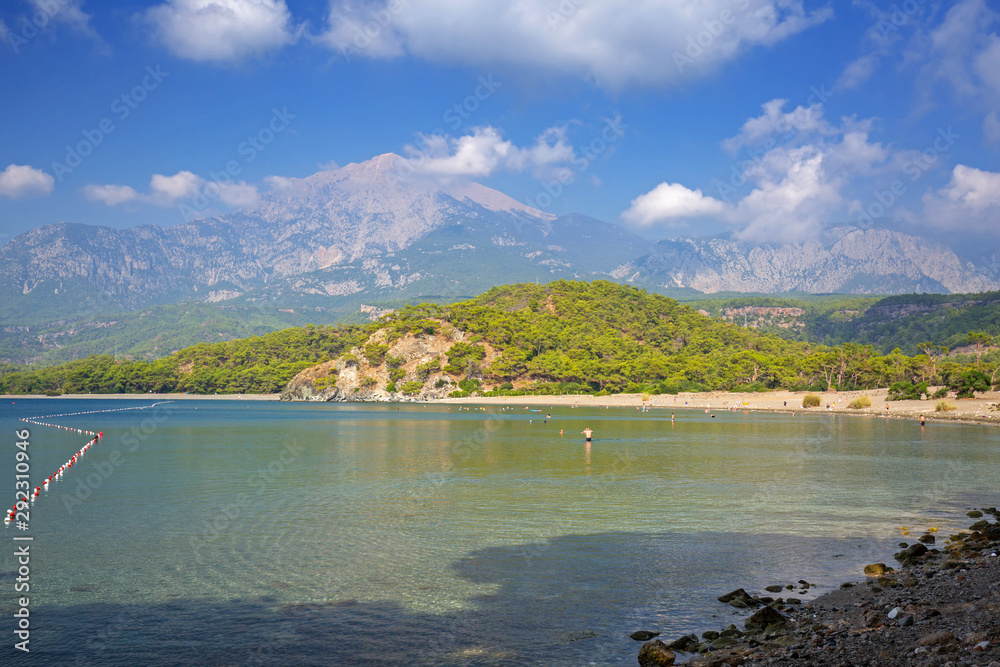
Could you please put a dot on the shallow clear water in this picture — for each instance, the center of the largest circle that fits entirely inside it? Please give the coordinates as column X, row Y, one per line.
column 236, row 532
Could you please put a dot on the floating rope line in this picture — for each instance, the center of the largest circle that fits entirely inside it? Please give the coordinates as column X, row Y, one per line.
column 57, row 475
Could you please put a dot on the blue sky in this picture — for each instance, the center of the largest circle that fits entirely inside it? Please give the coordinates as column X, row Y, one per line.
column 773, row 119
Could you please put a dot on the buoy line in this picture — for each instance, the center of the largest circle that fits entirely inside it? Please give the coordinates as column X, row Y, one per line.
column 57, row 475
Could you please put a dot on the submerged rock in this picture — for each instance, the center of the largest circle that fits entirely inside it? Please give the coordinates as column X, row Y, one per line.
column 643, row 635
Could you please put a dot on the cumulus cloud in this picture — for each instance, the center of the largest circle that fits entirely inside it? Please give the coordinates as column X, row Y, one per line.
column 111, row 195
column 614, row 42
column 221, row 30
column 796, row 184
column 23, row 181
column 775, row 121
column 184, row 187
column 485, row 152
column 668, row 202
column 970, row 201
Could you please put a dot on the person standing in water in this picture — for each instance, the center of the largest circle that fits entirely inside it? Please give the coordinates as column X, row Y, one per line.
column 588, row 433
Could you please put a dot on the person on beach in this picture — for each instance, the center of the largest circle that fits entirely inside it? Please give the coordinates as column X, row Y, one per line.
column 588, row 433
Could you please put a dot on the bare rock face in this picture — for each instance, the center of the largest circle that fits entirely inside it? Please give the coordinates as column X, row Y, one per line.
column 354, row 377
column 849, row 260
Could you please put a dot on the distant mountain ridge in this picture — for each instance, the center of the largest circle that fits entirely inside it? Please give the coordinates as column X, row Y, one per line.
column 365, row 234
column 848, row 260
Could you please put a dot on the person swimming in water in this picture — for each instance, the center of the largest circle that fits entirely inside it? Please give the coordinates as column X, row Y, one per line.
column 588, row 433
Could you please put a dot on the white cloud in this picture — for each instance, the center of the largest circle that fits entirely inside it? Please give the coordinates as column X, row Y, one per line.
column 857, row 73
column 796, row 186
column 69, row 12
column 221, row 30
column 238, row 195
column 111, row 195
column 279, row 183
column 774, row 121
column 486, row 152
column 23, row 181
column 614, row 42
column 970, row 201
column 670, row 201
column 183, row 187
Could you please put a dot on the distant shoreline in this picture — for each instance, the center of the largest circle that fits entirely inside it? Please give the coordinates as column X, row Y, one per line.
column 978, row 410
column 170, row 397
column 971, row 410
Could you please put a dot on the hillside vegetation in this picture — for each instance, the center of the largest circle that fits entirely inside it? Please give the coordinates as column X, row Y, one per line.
column 904, row 321
column 563, row 337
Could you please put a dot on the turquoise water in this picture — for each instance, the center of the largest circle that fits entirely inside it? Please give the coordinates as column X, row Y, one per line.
column 237, row 532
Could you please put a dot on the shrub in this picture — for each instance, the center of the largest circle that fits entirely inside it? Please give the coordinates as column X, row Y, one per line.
column 645, row 397
column 441, row 383
column 411, row 388
column 906, row 391
column 368, row 381
column 942, row 392
column 391, row 387
column 375, row 353
column 349, row 359
column 396, row 374
column 469, row 386
column 393, row 362
column 860, row 402
column 968, row 383
column 810, row 401
column 425, row 370
column 944, row 406
column 506, row 386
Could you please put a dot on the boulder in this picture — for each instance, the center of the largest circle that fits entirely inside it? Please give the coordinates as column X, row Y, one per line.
column 643, row 635
column 936, row 638
column 765, row 618
column 687, row 643
column 974, row 514
column 739, row 599
column 877, row 569
column 773, row 589
column 655, row 653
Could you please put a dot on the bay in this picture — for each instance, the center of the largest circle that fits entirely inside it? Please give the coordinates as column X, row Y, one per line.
column 247, row 532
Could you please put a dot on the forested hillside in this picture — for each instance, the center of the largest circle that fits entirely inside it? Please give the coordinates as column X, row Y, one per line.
column 904, row 321
column 566, row 336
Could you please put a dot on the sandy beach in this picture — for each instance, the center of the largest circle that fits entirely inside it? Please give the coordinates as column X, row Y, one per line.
column 983, row 408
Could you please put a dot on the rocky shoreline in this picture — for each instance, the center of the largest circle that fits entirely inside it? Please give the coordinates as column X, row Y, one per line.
column 937, row 606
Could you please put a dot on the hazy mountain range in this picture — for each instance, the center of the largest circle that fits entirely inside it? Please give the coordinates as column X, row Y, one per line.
column 364, row 233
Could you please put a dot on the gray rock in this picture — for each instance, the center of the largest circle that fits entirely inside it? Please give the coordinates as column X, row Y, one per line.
column 643, row 635
column 765, row 618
